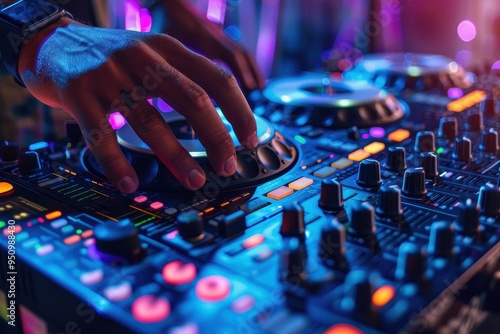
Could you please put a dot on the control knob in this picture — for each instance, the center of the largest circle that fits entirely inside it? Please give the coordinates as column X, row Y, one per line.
column 120, row 239
column 448, row 128
column 369, row 174
column 10, row 151
column 292, row 223
column 441, row 239
column 331, row 198
column 389, row 202
column 414, row 182
column 29, row 163
column 189, row 224
column 396, row 159
column 425, row 142
column 489, row 141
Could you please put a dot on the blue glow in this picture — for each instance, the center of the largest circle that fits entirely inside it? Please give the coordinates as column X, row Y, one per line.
column 38, row 146
column 300, row 139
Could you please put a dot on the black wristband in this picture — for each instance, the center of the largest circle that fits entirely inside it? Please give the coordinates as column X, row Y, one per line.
column 19, row 21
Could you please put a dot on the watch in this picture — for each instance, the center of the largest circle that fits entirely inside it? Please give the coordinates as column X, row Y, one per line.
column 19, row 21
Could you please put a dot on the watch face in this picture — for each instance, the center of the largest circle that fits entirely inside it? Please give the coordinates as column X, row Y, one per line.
column 26, row 13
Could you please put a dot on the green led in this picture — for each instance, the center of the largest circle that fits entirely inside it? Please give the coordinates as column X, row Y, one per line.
column 300, row 139
column 439, row 150
column 78, row 231
column 2, row 223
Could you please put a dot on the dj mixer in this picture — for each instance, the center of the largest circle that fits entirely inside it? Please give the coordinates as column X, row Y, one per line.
column 371, row 205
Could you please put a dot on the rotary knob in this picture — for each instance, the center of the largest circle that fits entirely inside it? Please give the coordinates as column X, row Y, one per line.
column 467, row 222
column 190, row 226
column 488, row 107
column 462, row 151
column 489, row 141
column 362, row 220
column 293, row 261
column 396, row 159
column 441, row 239
column 353, row 133
column 429, row 162
column 29, row 163
column 10, row 151
column 292, row 223
column 119, row 239
column 489, row 200
column 389, row 202
column 425, row 142
column 414, row 182
column 332, row 241
column 331, row 198
column 411, row 263
column 448, row 128
column 369, row 174
column 357, row 292
column 474, row 122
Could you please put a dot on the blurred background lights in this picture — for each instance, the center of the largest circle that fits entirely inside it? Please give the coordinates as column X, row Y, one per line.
column 466, row 31
column 496, row 65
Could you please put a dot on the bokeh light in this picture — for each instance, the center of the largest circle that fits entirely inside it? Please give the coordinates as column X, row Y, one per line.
column 466, row 30
column 455, row 93
column 145, row 19
column 116, row 120
column 496, row 65
column 464, row 58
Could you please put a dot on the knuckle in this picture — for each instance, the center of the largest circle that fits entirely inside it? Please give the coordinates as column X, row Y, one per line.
column 226, row 78
column 197, row 96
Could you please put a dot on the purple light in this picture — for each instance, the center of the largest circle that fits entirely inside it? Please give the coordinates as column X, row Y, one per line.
column 365, row 136
column 132, row 19
column 116, row 120
column 455, row 93
column 376, row 132
column 216, row 10
column 464, row 58
column 145, row 19
column 496, row 65
column 163, row 106
column 466, row 31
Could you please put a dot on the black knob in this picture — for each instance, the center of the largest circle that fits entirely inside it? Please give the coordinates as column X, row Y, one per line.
column 369, row 174
column 441, row 239
column 332, row 241
column 462, row 151
column 411, row 263
column 389, row 202
column 488, row 107
column 293, row 261
column 474, row 122
column 489, row 200
column 331, row 198
column 396, row 159
column 10, row 151
column 448, row 128
column 190, row 225
column 489, row 141
column 467, row 222
column 29, row 163
column 414, row 182
column 362, row 220
column 425, row 142
column 119, row 239
column 292, row 223
column 429, row 162
column 357, row 292
column 353, row 133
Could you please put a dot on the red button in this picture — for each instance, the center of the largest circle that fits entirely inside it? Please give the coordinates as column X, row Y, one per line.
column 117, row 293
column 12, row 229
column 177, row 272
column 243, row 304
column 156, row 205
column 253, row 241
column 150, row 309
column 213, row 288
column 140, row 199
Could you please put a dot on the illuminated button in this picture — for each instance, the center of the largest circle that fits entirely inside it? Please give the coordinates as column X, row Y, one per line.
column 87, row 234
column 383, row 295
column 280, row 193
column 22, row 236
column 12, row 229
column 118, row 293
column 358, row 155
column 399, row 135
column 324, row 172
column 301, row 183
column 342, row 163
column 374, row 147
column 177, row 272
column 5, row 187
column 67, row 229
column 72, row 239
column 243, row 304
column 53, row 215
column 254, row 205
column 156, row 205
column 343, row 329
column 59, row 223
column 140, row 199
column 467, row 101
column 45, row 250
column 170, row 211
column 150, row 309
column 92, row 277
column 264, row 254
column 253, row 241
column 213, row 288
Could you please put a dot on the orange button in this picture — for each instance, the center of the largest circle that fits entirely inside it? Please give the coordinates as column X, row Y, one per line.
column 5, row 187
column 280, row 193
column 87, row 234
column 342, row 163
column 53, row 215
column 358, row 155
column 343, row 329
column 72, row 239
column 383, row 295
column 253, row 241
column 399, row 135
column 301, row 183
column 374, row 147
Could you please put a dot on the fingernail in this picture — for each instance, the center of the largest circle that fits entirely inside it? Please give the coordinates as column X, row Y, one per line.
column 127, row 185
column 230, row 166
column 195, row 179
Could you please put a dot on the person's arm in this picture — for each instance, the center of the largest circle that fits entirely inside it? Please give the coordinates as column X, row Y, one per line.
column 91, row 72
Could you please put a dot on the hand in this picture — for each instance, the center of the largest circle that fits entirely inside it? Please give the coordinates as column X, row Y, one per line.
column 91, row 72
column 196, row 31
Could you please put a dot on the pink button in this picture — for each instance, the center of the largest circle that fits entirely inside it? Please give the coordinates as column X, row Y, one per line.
column 92, row 277
column 150, row 309
column 177, row 272
column 45, row 250
column 140, row 199
column 243, row 304
column 213, row 288
column 156, row 205
column 118, row 292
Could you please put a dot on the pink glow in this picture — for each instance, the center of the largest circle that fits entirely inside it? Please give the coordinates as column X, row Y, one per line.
column 145, row 19
column 377, row 132
column 455, row 93
column 116, row 120
column 216, row 11
column 365, row 136
column 466, row 31
column 496, row 65
column 132, row 19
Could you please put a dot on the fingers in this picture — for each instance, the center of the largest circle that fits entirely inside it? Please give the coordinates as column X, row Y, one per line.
column 152, row 129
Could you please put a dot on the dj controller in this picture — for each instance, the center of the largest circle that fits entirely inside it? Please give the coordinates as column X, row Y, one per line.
column 371, row 205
